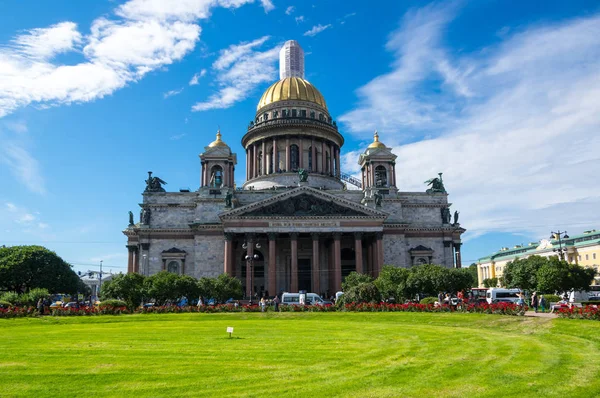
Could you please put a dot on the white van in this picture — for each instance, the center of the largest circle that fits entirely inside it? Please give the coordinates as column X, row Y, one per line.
column 497, row 294
column 294, row 299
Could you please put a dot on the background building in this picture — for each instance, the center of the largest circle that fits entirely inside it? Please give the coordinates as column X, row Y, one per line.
column 293, row 223
column 581, row 249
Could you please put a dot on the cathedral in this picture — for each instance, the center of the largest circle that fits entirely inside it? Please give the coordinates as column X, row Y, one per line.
column 298, row 222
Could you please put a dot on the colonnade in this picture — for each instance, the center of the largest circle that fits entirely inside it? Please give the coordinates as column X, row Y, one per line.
column 280, row 242
column 263, row 157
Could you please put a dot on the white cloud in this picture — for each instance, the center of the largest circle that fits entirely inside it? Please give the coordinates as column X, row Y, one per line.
column 11, row 215
column 177, row 137
column 172, row 93
column 299, row 19
column 44, row 43
column 241, row 68
column 196, row 77
column 23, row 166
column 316, row 30
column 514, row 128
column 267, row 5
column 144, row 36
column 290, row 10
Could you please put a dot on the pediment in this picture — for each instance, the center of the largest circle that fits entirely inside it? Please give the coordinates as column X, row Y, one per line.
column 304, row 202
column 217, row 151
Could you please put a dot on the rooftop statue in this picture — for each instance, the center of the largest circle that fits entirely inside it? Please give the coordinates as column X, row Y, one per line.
column 303, row 174
column 154, row 184
column 130, row 218
column 456, row 213
column 437, row 185
column 378, row 198
column 228, row 199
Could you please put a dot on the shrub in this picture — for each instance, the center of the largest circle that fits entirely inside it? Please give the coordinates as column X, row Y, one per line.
column 112, row 303
column 429, row 300
column 33, row 296
column 5, row 304
column 11, row 297
column 551, row 298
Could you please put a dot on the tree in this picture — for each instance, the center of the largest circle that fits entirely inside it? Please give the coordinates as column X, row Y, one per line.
column 490, row 282
column 363, row 292
column 459, row 279
column 129, row 288
column 392, row 282
column 426, row 279
column 559, row 276
column 522, row 273
column 354, row 279
column 473, row 271
column 187, row 286
column 162, row 287
column 23, row 268
column 227, row 287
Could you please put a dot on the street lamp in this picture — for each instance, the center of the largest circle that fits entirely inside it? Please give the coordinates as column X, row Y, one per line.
column 557, row 235
column 100, row 284
column 249, row 262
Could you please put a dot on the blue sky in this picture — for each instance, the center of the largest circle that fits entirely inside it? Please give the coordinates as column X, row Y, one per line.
column 501, row 96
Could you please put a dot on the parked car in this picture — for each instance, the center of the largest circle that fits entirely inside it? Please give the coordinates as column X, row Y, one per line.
column 71, row 304
column 56, row 304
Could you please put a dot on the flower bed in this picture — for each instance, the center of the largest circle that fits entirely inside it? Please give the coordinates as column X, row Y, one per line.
column 501, row 309
column 591, row 312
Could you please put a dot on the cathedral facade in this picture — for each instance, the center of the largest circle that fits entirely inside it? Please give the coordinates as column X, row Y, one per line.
column 294, row 224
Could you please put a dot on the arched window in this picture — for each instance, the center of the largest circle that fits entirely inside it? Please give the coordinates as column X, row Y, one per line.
column 266, row 117
column 216, row 177
column 294, row 157
column 312, row 114
column 173, row 267
column 310, row 159
column 380, row 176
column 421, row 261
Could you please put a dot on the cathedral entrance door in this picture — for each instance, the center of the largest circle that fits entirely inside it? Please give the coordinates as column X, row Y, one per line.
column 304, row 274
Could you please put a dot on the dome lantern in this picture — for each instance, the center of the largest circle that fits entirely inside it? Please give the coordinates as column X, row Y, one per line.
column 376, row 143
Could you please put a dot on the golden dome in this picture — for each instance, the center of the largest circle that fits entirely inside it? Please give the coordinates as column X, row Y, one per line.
column 218, row 141
column 376, row 143
column 291, row 88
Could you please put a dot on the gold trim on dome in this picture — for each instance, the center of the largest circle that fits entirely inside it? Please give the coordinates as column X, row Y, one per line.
column 376, row 143
column 218, row 141
column 291, row 88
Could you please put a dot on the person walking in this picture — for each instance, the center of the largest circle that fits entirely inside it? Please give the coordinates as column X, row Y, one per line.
column 534, row 301
column 543, row 303
column 263, row 303
column 40, row 306
column 276, row 303
column 440, row 298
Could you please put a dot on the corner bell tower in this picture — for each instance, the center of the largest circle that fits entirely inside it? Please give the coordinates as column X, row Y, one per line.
column 378, row 166
column 218, row 165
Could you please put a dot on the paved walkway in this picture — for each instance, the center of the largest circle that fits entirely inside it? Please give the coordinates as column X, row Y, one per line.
column 546, row 314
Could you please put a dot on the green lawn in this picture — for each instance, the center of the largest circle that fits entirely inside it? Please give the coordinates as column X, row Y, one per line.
column 302, row 354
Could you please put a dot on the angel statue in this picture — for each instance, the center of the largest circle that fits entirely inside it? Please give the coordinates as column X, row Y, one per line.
column 437, row 185
column 130, row 218
column 303, row 174
column 456, row 213
column 154, row 184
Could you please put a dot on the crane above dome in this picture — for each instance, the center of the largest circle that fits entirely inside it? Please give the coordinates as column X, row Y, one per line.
column 291, row 60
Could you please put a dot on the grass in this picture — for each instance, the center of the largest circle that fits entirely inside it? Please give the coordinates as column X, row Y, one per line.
column 300, row 354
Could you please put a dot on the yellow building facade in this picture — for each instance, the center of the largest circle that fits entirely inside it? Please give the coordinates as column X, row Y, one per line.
column 583, row 249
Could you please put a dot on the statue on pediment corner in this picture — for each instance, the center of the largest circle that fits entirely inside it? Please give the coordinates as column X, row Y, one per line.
column 437, row 185
column 303, row 174
column 154, row 184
